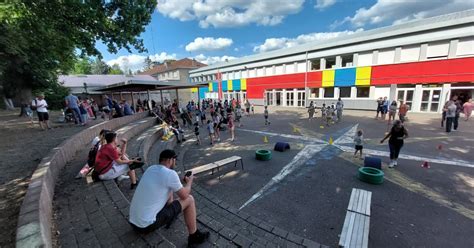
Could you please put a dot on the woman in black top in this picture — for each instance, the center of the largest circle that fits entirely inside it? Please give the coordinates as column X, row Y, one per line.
column 397, row 134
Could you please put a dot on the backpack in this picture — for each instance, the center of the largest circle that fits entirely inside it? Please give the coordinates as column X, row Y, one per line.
column 34, row 107
column 92, row 154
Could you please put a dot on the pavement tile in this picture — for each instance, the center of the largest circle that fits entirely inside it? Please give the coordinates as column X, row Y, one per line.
column 228, row 233
column 295, row 238
column 242, row 241
column 310, row 243
column 279, row 232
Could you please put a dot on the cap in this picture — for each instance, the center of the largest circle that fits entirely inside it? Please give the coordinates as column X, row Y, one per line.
column 167, row 154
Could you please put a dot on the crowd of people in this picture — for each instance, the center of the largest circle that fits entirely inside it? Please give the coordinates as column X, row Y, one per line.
column 330, row 114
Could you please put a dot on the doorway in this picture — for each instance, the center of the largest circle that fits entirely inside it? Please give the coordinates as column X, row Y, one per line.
column 278, row 98
column 406, row 95
column 430, row 100
column 300, row 100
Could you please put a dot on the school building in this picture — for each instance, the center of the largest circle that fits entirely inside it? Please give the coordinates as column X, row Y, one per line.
column 422, row 62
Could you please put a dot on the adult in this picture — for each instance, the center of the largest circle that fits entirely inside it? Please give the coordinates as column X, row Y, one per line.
column 109, row 164
column 127, row 110
column 118, row 109
column 395, row 143
column 153, row 204
column 402, row 111
column 311, row 110
column 467, row 108
column 72, row 102
column 384, row 108
column 41, row 107
column 450, row 110
column 392, row 111
column 247, row 107
column 458, row 104
column 379, row 107
column 339, row 108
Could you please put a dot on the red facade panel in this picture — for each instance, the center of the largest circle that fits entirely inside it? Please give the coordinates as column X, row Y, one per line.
column 315, row 79
column 437, row 71
column 257, row 86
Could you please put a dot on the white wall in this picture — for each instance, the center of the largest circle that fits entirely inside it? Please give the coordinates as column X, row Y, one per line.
column 382, row 92
column 437, row 49
column 279, row 70
column 364, row 59
column 410, row 53
column 465, row 47
column 386, row 57
column 301, row 67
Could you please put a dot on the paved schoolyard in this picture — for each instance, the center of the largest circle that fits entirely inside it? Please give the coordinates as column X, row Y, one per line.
column 306, row 190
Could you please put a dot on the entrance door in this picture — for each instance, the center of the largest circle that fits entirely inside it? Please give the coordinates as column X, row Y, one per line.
column 269, row 98
column 406, row 95
column 300, row 100
column 430, row 100
column 290, row 98
column 278, row 98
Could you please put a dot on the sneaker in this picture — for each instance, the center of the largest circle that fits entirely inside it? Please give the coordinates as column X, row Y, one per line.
column 197, row 238
column 395, row 163
column 391, row 164
column 122, row 177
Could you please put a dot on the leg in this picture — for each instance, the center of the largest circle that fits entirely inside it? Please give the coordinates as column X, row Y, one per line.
column 132, row 175
column 448, row 124
column 456, row 122
column 189, row 211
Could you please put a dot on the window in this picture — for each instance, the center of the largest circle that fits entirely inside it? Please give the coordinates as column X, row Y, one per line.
column 410, row 53
column 437, row 50
column 365, row 59
column 363, row 92
column 386, row 57
column 314, row 93
column 301, row 67
column 329, row 92
column 465, row 47
column 268, row 70
column 330, row 63
column 345, row 92
column 316, row 64
column 347, row 60
column 279, row 69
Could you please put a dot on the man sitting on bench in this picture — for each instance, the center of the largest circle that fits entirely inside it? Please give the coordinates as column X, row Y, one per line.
column 153, row 206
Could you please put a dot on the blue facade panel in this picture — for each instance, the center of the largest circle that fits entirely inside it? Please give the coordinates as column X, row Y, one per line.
column 236, row 84
column 345, row 77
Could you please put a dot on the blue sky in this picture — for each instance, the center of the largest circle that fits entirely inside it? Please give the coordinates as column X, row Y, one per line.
column 192, row 28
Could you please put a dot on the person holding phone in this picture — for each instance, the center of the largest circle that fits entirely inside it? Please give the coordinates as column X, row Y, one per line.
column 397, row 134
column 153, row 204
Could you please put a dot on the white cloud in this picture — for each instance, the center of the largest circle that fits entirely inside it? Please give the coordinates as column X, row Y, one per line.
column 395, row 12
column 136, row 62
column 283, row 42
column 322, row 4
column 230, row 13
column 213, row 59
column 208, row 44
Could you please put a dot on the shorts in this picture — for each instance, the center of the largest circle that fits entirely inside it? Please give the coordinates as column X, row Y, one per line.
column 247, row 110
column 114, row 172
column 43, row 116
column 359, row 148
column 165, row 216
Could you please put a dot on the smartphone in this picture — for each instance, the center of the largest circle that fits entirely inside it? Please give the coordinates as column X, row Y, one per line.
column 188, row 173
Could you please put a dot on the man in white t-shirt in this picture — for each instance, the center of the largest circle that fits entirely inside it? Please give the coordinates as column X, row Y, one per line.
column 42, row 110
column 153, row 205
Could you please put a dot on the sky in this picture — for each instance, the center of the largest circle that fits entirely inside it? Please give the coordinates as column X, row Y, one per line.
column 212, row 31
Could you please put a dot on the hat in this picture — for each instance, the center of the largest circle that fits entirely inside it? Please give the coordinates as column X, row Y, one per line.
column 167, row 154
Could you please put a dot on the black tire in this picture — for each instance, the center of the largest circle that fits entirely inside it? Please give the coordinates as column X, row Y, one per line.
column 370, row 175
column 263, row 155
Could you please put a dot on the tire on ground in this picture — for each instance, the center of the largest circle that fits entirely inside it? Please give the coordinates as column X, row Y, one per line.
column 263, row 155
column 370, row 175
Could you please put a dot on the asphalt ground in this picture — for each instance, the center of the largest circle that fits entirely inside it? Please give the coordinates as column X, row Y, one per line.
column 414, row 207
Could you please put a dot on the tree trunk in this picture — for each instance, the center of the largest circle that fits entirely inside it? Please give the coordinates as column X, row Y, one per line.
column 8, row 103
column 25, row 96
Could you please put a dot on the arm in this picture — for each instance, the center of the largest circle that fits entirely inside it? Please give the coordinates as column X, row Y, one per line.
column 386, row 137
column 185, row 191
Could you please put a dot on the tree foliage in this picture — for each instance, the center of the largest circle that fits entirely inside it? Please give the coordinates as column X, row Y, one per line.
column 39, row 38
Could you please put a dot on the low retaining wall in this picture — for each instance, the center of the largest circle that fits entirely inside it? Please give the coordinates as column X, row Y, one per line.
column 35, row 219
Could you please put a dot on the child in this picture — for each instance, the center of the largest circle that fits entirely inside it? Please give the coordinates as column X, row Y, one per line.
column 238, row 115
column 358, row 141
column 265, row 114
column 253, row 110
column 323, row 112
column 196, row 132
column 334, row 114
column 203, row 116
column 210, row 129
column 329, row 113
column 198, row 117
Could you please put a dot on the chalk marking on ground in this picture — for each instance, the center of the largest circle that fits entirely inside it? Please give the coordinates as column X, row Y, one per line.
column 290, row 136
column 405, row 182
column 300, row 158
column 348, row 137
column 411, row 157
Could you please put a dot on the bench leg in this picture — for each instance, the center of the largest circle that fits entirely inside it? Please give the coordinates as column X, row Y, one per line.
column 235, row 164
column 212, row 172
column 242, row 163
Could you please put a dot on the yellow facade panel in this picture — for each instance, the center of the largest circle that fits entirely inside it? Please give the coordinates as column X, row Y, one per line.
column 328, row 78
column 363, row 75
column 243, row 84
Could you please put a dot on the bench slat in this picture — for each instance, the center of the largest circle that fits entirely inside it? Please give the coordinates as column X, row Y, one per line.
column 369, row 202
column 228, row 160
column 344, row 229
column 363, row 202
column 365, row 239
column 360, row 234
column 350, row 229
column 360, row 201
column 203, row 168
column 352, row 199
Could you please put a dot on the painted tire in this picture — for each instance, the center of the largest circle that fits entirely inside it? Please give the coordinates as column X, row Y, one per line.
column 370, row 175
column 263, row 155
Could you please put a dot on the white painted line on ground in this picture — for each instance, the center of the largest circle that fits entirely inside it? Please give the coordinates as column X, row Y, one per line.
column 290, row 136
column 348, row 137
column 300, row 158
column 411, row 157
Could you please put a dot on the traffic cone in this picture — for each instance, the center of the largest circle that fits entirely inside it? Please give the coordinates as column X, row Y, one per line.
column 425, row 164
column 265, row 139
column 296, row 130
column 331, row 140
column 322, row 127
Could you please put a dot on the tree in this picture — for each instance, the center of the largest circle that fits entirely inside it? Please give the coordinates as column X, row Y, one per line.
column 82, row 66
column 39, row 39
column 99, row 67
column 115, row 69
column 148, row 64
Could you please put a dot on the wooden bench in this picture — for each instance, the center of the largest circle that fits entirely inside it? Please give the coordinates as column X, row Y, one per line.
column 217, row 165
column 355, row 232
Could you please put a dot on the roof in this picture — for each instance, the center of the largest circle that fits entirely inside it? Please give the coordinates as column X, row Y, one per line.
column 185, row 63
column 453, row 19
column 139, row 85
column 100, row 80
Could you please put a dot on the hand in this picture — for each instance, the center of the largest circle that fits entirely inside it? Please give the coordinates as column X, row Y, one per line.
column 189, row 180
column 381, row 141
